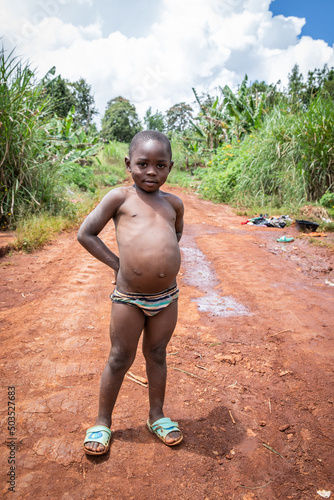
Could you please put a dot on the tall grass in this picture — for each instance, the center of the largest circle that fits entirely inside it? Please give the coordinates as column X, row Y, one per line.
column 111, row 167
column 28, row 178
column 315, row 138
column 289, row 160
column 35, row 230
column 116, row 151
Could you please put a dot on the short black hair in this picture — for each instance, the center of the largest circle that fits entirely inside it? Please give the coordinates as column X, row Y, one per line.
column 147, row 135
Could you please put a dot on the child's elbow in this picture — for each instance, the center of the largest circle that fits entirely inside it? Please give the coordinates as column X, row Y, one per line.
column 81, row 237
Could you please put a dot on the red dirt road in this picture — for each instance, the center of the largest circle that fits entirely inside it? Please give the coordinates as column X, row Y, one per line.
column 250, row 383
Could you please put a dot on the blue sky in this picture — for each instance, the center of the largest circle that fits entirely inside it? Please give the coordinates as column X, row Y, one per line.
column 319, row 15
column 153, row 52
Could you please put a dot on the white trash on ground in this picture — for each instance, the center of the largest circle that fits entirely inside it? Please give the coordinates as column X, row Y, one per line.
column 324, row 493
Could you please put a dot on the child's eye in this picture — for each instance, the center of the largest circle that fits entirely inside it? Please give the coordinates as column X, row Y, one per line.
column 161, row 165
column 142, row 164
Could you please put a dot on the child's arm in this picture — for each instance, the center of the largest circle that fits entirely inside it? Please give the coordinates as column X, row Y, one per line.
column 179, row 209
column 93, row 225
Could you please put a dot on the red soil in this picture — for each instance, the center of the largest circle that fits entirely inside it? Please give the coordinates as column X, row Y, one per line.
column 252, row 392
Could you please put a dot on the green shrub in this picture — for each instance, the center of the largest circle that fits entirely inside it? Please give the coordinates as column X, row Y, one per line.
column 81, row 176
column 327, row 200
column 37, row 230
column 40, row 155
column 116, row 151
column 110, row 169
column 28, row 175
column 179, row 153
column 182, row 178
column 290, row 159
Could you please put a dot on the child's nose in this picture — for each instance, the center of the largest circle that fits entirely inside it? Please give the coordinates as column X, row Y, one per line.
column 151, row 170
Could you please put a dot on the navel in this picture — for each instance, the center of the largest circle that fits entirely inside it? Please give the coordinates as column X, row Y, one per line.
column 161, row 275
column 137, row 272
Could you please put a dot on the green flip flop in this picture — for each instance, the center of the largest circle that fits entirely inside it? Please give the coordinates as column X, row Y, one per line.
column 162, row 427
column 285, row 239
column 98, row 434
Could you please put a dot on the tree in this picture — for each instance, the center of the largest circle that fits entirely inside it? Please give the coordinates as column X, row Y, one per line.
column 60, row 93
column 328, row 88
column 154, row 121
column 120, row 121
column 84, row 103
column 243, row 110
column 262, row 89
column 178, row 117
column 65, row 94
column 320, row 80
column 296, row 84
column 210, row 124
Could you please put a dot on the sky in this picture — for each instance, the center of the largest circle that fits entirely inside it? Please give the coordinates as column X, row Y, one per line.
column 319, row 16
column 153, row 52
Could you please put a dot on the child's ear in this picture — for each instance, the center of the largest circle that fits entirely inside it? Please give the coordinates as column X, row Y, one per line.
column 127, row 163
column 171, row 165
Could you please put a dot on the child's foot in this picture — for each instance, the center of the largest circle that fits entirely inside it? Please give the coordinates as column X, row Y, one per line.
column 97, row 440
column 173, row 438
column 167, row 431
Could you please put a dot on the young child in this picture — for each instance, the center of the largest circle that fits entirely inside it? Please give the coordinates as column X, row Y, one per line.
column 148, row 224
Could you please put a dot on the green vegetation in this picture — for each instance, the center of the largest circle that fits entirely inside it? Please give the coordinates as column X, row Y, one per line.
column 178, row 117
column 262, row 150
column 259, row 148
column 28, row 176
column 111, row 169
column 120, row 121
column 36, row 230
column 64, row 95
column 182, row 174
column 42, row 156
column 51, row 166
column 327, row 200
column 154, row 121
column 289, row 159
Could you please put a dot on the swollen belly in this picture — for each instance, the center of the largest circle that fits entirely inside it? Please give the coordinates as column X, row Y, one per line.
column 148, row 273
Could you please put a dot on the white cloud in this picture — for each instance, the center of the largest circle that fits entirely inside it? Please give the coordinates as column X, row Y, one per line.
column 194, row 43
column 279, row 32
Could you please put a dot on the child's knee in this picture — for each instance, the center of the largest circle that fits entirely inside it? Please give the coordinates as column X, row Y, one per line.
column 120, row 360
column 156, row 354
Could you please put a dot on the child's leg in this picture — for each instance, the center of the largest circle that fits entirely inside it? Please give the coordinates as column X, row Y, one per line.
column 157, row 333
column 126, row 325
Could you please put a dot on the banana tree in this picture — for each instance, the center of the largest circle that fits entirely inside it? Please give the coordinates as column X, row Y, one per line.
column 243, row 110
column 210, row 125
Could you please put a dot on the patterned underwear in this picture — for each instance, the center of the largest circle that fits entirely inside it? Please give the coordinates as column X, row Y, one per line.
column 150, row 304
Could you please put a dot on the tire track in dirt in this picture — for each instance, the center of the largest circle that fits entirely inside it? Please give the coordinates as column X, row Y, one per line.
column 248, row 375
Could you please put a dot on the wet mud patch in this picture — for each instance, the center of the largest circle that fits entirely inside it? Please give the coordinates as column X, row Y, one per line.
column 200, row 273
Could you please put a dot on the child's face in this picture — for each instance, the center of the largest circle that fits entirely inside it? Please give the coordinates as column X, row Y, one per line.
column 150, row 164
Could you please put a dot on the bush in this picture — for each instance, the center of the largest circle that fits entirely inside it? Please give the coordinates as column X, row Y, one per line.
column 289, row 160
column 28, row 176
column 327, row 200
column 111, row 167
column 40, row 155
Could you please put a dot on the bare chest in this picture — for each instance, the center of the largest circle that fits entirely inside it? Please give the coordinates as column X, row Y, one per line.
column 148, row 215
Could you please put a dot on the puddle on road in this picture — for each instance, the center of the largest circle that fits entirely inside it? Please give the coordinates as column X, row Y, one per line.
column 201, row 274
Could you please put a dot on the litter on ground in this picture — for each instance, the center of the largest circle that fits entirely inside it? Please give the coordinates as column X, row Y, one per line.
column 316, row 235
column 265, row 221
column 324, row 493
column 285, row 239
